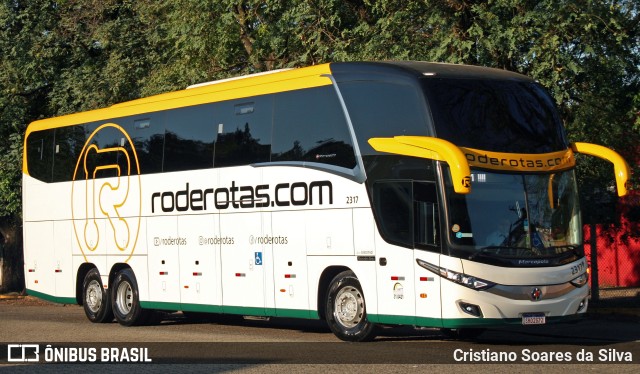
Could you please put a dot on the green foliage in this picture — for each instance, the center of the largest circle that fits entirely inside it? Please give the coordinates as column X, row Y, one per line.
column 70, row 55
column 24, row 80
column 10, row 176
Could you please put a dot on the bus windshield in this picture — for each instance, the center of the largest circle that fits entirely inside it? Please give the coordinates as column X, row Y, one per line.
column 523, row 219
column 495, row 115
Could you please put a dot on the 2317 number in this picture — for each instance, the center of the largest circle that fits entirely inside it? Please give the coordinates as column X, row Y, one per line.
column 577, row 268
column 352, row 199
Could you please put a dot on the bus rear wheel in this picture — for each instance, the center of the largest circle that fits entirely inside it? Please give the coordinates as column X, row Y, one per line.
column 126, row 300
column 345, row 311
column 95, row 299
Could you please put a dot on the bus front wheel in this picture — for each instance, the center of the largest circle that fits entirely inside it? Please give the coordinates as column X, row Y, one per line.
column 346, row 311
column 95, row 299
column 126, row 300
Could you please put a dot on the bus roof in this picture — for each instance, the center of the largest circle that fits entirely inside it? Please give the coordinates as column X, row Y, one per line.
column 421, row 69
column 261, row 84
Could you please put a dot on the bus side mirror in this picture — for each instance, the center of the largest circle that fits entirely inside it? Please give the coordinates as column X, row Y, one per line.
column 620, row 166
column 430, row 148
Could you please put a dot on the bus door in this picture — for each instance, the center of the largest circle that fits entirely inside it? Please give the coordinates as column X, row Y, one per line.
column 427, row 253
column 200, row 276
column 290, row 263
column 246, row 253
column 163, row 259
column 394, row 255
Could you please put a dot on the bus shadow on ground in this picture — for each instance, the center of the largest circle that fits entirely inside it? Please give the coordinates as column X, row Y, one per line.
column 591, row 330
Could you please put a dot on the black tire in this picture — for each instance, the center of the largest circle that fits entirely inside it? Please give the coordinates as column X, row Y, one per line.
column 125, row 300
column 96, row 300
column 346, row 311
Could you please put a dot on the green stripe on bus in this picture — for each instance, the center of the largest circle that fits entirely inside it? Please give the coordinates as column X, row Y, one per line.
column 392, row 319
column 54, row 299
column 202, row 308
column 297, row 313
column 454, row 323
column 240, row 310
column 160, row 305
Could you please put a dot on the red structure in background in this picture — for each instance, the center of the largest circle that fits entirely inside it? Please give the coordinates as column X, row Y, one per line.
column 618, row 246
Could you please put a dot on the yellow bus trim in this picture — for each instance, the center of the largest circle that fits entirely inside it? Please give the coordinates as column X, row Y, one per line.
column 520, row 162
column 430, row 148
column 620, row 166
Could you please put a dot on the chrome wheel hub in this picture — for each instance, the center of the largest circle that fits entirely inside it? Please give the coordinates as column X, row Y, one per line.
column 349, row 307
column 93, row 296
column 124, row 298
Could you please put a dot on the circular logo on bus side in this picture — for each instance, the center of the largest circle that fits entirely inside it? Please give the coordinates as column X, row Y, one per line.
column 106, row 194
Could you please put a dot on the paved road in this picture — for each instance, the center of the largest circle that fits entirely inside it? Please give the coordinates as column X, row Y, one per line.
column 234, row 344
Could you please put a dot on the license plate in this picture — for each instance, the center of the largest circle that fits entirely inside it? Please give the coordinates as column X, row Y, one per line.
column 533, row 319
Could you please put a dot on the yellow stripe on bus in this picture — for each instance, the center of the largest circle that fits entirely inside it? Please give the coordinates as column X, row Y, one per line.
column 290, row 80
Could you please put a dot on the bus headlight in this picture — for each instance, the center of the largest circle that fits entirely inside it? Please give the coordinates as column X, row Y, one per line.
column 469, row 281
column 581, row 280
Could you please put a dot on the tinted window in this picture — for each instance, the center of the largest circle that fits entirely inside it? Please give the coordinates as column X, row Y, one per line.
column 109, row 151
column 398, row 167
column 382, row 109
column 407, row 213
column 309, row 125
column 189, row 138
column 244, row 131
column 104, row 155
column 147, row 135
column 492, row 115
column 426, row 219
column 68, row 145
column 393, row 207
column 40, row 154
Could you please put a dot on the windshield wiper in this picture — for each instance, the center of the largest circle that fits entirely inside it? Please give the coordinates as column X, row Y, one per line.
column 488, row 249
column 564, row 248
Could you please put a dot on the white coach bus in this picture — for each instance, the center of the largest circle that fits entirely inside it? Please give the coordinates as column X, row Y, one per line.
column 365, row 194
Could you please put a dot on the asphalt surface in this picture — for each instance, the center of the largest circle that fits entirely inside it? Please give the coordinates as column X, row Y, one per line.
column 602, row 342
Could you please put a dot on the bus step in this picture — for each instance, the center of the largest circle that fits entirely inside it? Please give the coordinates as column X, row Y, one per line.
column 256, row 318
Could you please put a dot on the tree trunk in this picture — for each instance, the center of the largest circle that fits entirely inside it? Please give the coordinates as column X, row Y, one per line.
column 11, row 258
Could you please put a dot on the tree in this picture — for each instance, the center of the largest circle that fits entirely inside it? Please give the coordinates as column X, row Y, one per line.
column 58, row 57
column 64, row 56
column 25, row 72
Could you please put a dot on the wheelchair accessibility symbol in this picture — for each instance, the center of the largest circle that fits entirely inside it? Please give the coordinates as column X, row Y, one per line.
column 258, row 258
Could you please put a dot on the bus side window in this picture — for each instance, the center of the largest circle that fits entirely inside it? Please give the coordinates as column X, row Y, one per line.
column 101, row 164
column 384, row 109
column 68, row 146
column 147, row 136
column 243, row 130
column 393, row 204
column 40, row 154
column 427, row 227
column 407, row 213
column 310, row 126
column 188, row 139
